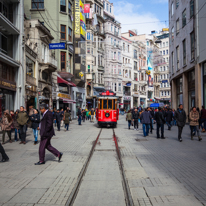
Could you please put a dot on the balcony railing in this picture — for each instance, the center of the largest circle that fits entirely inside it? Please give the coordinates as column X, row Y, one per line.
column 50, row 60
column 30, row 80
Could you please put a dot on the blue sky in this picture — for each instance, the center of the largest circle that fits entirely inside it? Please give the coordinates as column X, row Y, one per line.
column 140, row 11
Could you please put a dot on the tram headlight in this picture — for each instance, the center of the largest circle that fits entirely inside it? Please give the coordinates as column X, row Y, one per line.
column 107, row 115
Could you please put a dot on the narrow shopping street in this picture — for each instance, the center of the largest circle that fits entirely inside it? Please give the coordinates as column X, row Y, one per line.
column 158, row 172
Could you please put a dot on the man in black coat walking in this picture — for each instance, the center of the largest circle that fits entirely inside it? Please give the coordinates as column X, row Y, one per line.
column 169, row 118
column 180, row 117
column 5, row 158
column 135, row 117
column 58, row 118
column 151, row 123
column 46, row 132
column 160, row 123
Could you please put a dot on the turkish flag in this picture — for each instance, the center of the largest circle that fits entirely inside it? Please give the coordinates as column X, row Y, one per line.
column 86, row 8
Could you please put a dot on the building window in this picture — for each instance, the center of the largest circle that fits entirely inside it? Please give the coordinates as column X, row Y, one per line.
column 135, row 54
column 177, row 27
column 172, row 62
column 184, row 51
column 63, row 5
column 173, row 33
column 110, row 9
column 37, row 4
column 69, row 8
column 135, row 65
column 192, row 8
column 192, row 40
column 128, row 48
column 70, row 63
column 111, row 40
column 177, row 57
column 104, row 4
column 63, row 61
column 172, row 9
column 95, row 8
column 107, row 7
column 70, row 34
column 120, row 87
column 167, row 44
column 164, row 52
column 184, row 18
column 167, row 52
column 177, row 3
column 29, row 67
column 123, row 46
column 63, row 32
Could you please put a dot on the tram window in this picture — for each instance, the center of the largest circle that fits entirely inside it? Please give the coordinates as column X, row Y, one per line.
column 100, row 104
column 105, row 104
column 110, row 102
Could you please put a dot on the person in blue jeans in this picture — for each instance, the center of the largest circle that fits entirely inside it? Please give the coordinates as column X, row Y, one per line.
column 79, row 114
column 16, row 126
column 160, row 123
column 145, row 119
column 35, row 119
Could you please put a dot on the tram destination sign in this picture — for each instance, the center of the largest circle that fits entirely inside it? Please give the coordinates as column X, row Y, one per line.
column 60, row 45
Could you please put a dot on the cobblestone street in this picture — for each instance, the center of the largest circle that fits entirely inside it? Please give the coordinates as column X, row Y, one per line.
column 158, row 172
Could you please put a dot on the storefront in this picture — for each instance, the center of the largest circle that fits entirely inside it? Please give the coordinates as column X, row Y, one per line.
column 127, row 103
column 7, row 87
column 191, row 88
column 142, row 102
column 64, row 100
column 179, row 91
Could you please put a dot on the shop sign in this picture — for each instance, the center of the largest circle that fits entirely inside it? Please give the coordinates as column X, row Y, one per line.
column 164, row 81
column 77, row 17
column 86, row 8
column 128, row 84
column 65, row 96
column 7, row 85
column 71, row 48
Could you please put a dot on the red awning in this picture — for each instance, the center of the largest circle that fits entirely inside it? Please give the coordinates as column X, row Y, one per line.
column 121, row 104
column 60, row 80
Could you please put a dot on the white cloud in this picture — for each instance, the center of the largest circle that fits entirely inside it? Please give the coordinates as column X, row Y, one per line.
column 131, row 17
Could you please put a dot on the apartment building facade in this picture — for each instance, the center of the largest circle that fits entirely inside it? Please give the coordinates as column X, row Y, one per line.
column 12, row 91
column 185, row 73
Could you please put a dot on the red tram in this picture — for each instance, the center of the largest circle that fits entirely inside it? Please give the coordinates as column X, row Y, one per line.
column 107, row 112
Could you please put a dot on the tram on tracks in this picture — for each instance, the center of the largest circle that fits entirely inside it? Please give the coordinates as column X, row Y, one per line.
column 107, row 113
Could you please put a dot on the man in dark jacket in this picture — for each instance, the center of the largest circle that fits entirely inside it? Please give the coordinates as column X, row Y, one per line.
column 135, row 117
column 22, row 120
column 160, row 123
column 145, row 119
column 46, row 132
column 35, row 120
column 79, row 114
column 180, row 117
column 151, row 123
column 58, row 118
column 203, row 118
column 5, row 158
column 169, row 118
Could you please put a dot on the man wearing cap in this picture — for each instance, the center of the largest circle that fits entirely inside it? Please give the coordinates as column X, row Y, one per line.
column 47, row 132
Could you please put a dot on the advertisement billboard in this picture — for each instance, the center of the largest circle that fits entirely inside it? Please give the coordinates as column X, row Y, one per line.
column 77, row 17
column 82, row 20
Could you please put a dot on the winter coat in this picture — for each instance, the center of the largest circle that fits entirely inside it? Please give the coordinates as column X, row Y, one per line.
column 180, row 118
column 35, row 120
column 145, row 118
column 15, row 123
column 84, row 114
column 58, row 117
column 203, row 114
column 5, row 124
column 79, row 113
column 129, row 116
column 135, row 115
column 159, row 118
column 169, row 116
column 62, row 114
column 152, row 113
column 193, row 116
column 22, row 118
column 67, row 117
column 87, row 113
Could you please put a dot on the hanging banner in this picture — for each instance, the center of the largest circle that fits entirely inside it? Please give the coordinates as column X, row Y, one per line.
column 86, row 8
column 77, row 17
column 82, row 20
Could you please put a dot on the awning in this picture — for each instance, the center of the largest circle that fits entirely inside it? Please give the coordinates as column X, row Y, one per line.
column 121, row 104
column 60, row 80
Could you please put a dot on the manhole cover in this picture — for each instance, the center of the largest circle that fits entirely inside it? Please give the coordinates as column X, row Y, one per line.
column 141, row 140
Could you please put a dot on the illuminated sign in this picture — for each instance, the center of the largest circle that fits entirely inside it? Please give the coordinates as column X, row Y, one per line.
column 77, row 17
column 65, row 96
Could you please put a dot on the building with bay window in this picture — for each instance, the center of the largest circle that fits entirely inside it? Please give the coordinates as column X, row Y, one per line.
column 12, row 91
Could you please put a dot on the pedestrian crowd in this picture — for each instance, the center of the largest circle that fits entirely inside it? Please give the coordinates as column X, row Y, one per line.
column 161, row 116
column 85, row 114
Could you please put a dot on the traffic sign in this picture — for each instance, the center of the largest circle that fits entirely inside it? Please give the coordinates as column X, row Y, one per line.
column 60, row 45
